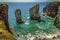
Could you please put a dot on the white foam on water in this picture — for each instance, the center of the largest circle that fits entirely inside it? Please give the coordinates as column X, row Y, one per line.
column 26, row 22
column 28, row 17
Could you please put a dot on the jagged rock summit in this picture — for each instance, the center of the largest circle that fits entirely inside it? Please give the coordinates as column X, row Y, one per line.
column 34, row 12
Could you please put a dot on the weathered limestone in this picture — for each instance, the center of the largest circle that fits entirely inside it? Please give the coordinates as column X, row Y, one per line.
column 51, row 9
column 57, row 18
column 4, row 15
column 18, row 16
column 34, row 13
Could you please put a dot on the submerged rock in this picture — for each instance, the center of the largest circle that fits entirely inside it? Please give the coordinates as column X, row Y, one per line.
column 51, row 9
column 57, row 19
column 4, row 15
column 34, row 13
column 18, row 16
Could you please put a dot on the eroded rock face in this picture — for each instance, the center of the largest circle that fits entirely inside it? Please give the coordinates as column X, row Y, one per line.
column 51, row 9
column 4, row 15
column 34, row 13
column 57, row 19
column 18, row 16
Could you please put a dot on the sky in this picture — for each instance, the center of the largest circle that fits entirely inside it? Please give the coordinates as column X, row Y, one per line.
column 28, row 0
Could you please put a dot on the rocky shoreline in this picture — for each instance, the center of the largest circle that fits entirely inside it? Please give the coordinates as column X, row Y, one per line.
column 39, row 36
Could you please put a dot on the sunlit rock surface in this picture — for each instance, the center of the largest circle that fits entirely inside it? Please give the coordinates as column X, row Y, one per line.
column 34, row 12
column 4, row 15
column 5, row 34
column 18, row 16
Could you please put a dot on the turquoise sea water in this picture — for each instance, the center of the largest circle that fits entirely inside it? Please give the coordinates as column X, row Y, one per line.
column 33, row 26
column 30, row 26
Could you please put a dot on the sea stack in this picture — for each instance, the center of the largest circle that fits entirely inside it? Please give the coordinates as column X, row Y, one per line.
column 18, row 16
column 57, row 19
column 51, row 9
column 4, row 15
column 34, row 12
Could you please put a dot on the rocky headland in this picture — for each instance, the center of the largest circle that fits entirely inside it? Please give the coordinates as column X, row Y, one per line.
column 4, row 15
column 53, row 10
